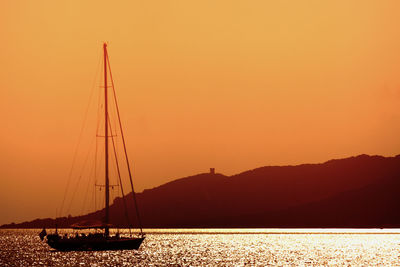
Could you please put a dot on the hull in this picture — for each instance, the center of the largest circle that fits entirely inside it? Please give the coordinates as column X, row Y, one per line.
column 88, row 244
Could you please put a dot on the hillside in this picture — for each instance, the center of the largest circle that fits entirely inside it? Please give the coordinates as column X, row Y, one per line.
column 358, row 191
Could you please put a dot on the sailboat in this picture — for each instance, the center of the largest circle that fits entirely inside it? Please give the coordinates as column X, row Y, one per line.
column 100, row 240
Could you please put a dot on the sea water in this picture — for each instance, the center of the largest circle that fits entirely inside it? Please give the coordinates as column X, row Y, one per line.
column 217, row 247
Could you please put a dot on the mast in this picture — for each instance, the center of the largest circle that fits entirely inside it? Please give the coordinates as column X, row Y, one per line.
column 107, row 197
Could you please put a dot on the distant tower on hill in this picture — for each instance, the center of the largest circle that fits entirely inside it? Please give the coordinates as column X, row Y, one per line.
column 212, row 170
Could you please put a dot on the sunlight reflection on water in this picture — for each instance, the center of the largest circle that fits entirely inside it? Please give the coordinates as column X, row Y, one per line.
column 226, row 247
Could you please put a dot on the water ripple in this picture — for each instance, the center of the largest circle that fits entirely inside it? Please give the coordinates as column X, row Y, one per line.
column 179, row 247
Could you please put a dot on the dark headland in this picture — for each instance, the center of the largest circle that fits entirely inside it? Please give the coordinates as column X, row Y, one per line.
column 355, row 192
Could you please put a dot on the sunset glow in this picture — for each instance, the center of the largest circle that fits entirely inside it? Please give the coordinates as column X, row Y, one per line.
column 233, row 85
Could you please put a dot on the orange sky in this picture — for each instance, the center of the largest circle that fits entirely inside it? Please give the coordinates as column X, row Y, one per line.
column 227, row 84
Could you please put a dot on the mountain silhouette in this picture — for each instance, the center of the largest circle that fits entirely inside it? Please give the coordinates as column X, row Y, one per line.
column 361, row 191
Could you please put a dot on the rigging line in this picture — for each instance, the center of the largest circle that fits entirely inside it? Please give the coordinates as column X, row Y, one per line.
column 100, row 163
column 95, row 164
column 126, row 154
column 80, row 177
column 98, row 116
column 97, row 145
column 87, row 187
column 80, row 135
column 99, row 105
column 120, row 182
